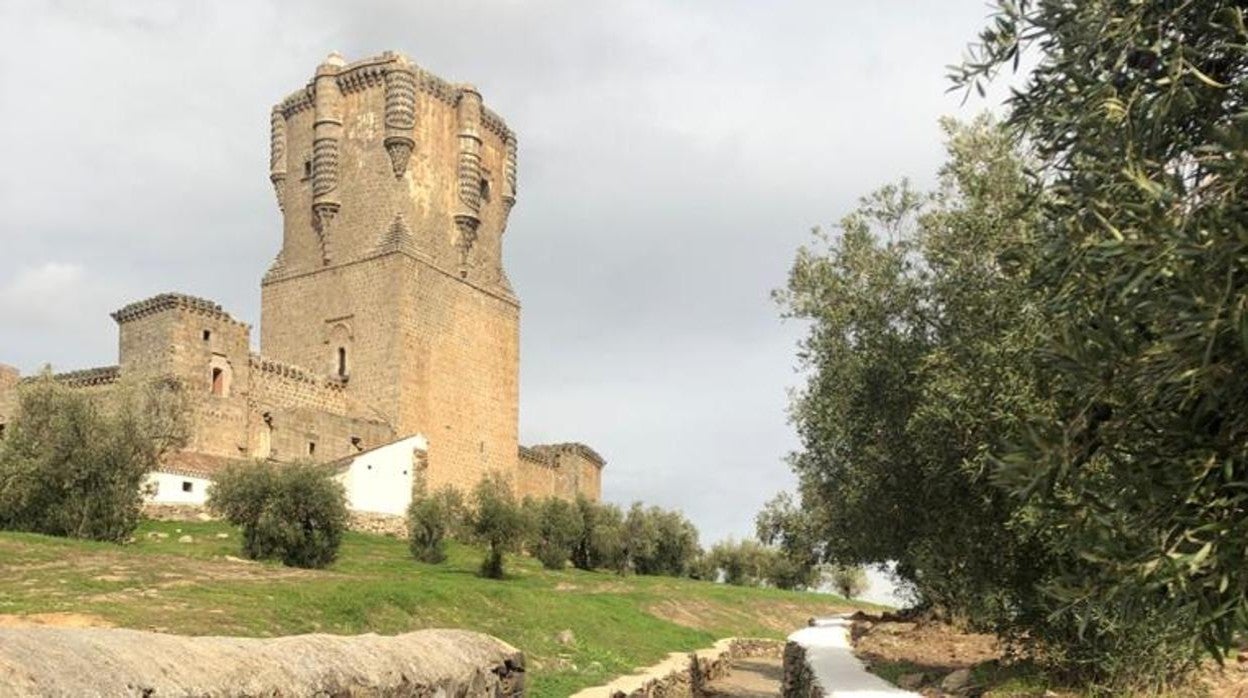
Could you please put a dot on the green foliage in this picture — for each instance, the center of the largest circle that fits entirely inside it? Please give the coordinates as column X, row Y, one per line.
column 659, row 542
column 740, row 563
column 432, row 519
column 783, row 524
column 73, row 465
column 921, row 356
column 702, row 567
column 849, row 581
column 557, row 529
column 1138, row 114
column 649, row 541
column 601, row 543
column 497, row 521
column 295, row 513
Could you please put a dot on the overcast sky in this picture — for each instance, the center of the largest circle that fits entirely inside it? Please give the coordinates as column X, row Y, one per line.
column 673, row 156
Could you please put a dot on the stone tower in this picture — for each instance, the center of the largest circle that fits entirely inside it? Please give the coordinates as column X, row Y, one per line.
column 395, row 187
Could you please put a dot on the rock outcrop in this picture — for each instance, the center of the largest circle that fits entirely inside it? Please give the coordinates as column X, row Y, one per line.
column 116, row 662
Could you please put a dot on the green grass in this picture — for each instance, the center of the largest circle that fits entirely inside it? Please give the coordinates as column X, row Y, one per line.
column 375, row 586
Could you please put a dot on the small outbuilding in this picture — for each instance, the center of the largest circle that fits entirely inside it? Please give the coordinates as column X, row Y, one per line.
column 377, row 481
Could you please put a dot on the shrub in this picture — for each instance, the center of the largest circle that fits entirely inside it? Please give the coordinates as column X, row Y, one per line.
column 599, row 543
column 432, row 519
column 497, row 521
column 702, row 567
column 675, row 544
column 556, row 529
column 783, row 524
column 74, row 466
column 607, row 539
column 849, row 581
column 295, row 513
column 741, row 563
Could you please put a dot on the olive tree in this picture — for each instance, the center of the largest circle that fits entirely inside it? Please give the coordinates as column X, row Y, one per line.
column 73, row 463
column 296, row 513
column 496, row 520
column 1136, row 112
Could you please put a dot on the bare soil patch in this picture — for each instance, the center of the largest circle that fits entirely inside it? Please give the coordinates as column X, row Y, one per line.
column 53, row 620
column 756, row 677
column 934, row 646
column 780, row 617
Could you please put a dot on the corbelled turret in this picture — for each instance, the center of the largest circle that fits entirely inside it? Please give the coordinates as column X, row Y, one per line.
column 366, row 143
column 395, row 187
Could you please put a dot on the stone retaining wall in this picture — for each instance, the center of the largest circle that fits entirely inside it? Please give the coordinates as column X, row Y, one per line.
column 380, row 524
column 176, row 512
column 118, row 662
column 799, row 678
column 684, row 675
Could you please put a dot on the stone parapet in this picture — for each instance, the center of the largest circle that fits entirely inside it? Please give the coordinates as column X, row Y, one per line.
column 119, row 662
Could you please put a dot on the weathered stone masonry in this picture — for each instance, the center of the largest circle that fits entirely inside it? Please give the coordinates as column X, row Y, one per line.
column 386, row 311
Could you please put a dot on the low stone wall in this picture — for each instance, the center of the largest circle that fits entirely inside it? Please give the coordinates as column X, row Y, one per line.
column 380, row 524
column 116, row 662
column 799, row 678
column 683, row 675
column 176, row 512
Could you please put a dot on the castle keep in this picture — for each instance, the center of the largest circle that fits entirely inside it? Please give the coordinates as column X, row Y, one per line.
column 386, row 313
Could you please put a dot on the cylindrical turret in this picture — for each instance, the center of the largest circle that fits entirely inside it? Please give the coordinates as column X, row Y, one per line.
column 400, row 114
column 277, row 154
column 468, row 210
column 327, row 132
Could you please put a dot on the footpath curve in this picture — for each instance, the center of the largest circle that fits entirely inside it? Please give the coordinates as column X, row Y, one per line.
column 835, row 669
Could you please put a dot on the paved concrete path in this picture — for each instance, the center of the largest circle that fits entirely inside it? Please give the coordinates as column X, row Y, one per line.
column 831, row 656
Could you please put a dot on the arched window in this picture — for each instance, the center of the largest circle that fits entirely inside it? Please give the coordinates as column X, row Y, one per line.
column 220, row 376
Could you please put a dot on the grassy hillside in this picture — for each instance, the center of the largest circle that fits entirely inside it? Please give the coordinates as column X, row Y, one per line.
column 194, row 588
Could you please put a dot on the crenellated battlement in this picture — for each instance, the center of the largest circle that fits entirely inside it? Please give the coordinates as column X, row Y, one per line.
column 173, row 301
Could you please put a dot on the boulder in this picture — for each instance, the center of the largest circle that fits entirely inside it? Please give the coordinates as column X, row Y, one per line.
column 565, row 638
column 911, row 682
column 956, row 682
column 117, row 662
column 186, row 539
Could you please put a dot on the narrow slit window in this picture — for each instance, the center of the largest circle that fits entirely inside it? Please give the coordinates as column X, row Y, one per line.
column 342, row 362
column 218, row 381
column 311, row 448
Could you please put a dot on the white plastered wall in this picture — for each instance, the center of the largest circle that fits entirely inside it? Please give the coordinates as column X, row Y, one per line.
column 380, row 481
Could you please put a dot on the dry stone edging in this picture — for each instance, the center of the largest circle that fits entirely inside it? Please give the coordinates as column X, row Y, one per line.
column 683, row 674
column 82, row 662
column 365, row 522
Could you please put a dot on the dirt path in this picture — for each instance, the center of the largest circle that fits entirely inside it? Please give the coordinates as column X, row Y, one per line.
column 757, row 677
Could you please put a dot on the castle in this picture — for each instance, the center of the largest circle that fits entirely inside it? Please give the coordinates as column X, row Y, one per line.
column 386, row 314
